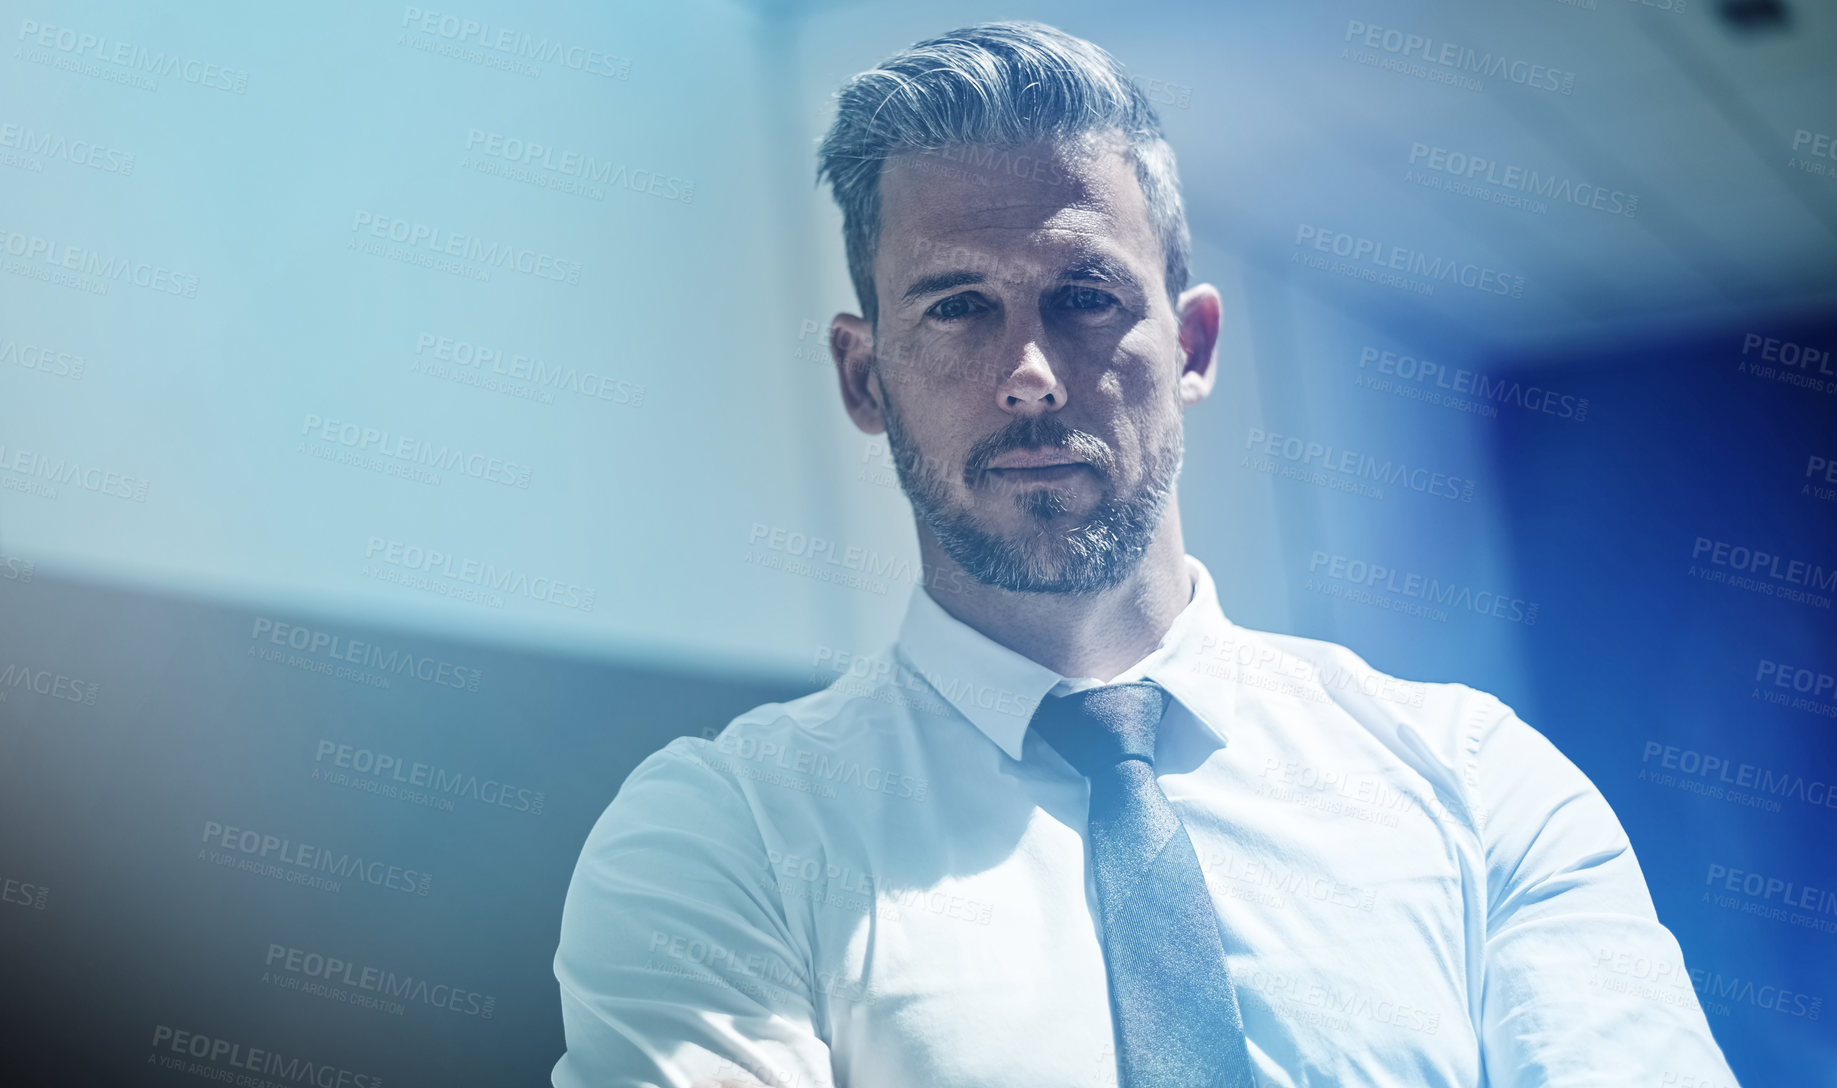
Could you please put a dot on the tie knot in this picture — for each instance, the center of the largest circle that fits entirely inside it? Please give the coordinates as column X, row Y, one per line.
column 1098, row 728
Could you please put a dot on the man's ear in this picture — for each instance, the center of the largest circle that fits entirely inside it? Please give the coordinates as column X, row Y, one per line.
column 1199, row 313
column 851, row 345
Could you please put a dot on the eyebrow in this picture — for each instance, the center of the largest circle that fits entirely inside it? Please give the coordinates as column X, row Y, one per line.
column 1101, row 269
column 941, row 281
column 1097, row 269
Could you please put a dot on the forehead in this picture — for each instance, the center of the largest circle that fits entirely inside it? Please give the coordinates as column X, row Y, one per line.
column 1031, row 203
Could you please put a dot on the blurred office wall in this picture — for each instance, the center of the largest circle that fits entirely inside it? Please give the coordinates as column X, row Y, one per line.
column 384, row 387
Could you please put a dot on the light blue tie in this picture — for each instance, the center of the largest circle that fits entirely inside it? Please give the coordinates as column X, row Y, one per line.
column 1172, row 1005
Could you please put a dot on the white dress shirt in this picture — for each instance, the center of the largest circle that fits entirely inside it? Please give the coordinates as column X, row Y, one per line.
column 885, row 884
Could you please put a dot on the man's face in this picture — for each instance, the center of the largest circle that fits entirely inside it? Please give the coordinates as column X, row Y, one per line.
column 1028, row 360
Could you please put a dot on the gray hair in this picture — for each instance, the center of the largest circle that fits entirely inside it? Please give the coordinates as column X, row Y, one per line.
column 1003, row 84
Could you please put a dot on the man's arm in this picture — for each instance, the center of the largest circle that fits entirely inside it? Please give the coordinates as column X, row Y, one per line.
column 676, row 965
column 1583, row 985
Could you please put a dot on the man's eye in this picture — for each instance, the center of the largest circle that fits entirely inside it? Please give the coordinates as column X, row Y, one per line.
column 1088, row 299
column 955, row 308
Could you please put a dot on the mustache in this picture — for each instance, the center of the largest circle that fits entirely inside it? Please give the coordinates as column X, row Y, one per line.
column 1038, row 432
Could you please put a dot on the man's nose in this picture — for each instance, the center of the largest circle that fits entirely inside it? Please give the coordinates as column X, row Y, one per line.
column 1032, row 385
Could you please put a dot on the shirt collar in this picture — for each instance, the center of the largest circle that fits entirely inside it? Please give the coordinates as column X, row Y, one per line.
column 998, row 688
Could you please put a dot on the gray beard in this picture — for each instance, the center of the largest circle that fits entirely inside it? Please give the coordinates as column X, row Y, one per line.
column 1095, row 554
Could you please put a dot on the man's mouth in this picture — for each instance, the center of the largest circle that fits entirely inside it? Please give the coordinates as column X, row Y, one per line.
column 1043, row 474
column 1042, row 466
column 1034, row 459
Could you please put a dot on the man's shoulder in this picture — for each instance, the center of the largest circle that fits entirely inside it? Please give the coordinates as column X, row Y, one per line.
column 1442, row 718
column 766, row 743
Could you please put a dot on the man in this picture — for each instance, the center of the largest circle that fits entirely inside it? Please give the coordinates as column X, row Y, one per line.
column 1078, row 828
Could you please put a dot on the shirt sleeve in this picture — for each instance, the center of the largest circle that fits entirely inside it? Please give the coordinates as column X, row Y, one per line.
column 676, row 965
column 1583, row 984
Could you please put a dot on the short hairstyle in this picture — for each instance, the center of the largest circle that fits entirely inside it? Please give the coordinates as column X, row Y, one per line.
column 1004, row 84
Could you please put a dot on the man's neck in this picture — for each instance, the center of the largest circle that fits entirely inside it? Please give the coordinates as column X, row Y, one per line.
column 1074, row 634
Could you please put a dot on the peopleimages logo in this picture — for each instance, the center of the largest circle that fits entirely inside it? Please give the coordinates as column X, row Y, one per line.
column 1811, row 682
column 1796, row 687
column 44, row 470
column 35, row 145
column 410, row 450
column 368, row 655
column 308, row 858
column 1420, row 588
column 439, row 242
column 584, row 170
column 393, row 770
column 840, row 563
column 1821, row 145
column 1708, row 774
column 15, row 569
column 333, row 970
column 30, row 896
column 251, row 1059
column 1788, row 353
column 48, row 258
column 543, row 377
column 45, row 360
column 1460, row 58
column 830, row 768
column 1462, row 389
column 1762, row 572
column 515, row 45
column 1518, row 179
column 1732, row 989
column 1430, row 268
column 55, row 685
column 1765, row 887
column 433, row 563
column 1358, row 466
column 136, row 62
